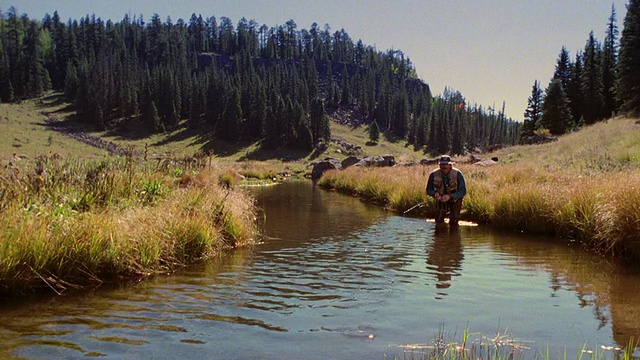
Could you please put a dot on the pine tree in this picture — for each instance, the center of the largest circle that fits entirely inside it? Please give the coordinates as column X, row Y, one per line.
column 345, row 98
column 304, row 140
column 591, row 86
column 152, row 119
column 533, row 113
column 609, row 61
column 574, row 92
column 231, row 121
column 556, row 115
column 319, row 121
column 628, row 68
column 6, row 88
column 34, row 62
column 563, row 68
column 374, row 132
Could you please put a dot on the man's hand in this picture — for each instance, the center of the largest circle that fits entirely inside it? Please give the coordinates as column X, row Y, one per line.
column 445, row 198
column 438, row 197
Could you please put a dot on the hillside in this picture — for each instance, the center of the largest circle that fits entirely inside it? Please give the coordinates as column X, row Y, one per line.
column 25, row 133
column 240, row 84
column 604, row 147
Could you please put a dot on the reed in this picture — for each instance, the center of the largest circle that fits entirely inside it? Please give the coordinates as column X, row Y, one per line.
column 76, row 223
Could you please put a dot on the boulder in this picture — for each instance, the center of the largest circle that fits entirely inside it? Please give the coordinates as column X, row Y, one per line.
column 351, row 160
column 367, row 161
column 321, row 167
column 384, row 160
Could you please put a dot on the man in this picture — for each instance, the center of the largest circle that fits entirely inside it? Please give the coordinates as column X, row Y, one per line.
column 447, row 186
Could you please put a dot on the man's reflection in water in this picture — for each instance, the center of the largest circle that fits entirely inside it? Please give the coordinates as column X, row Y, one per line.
column 444, row 256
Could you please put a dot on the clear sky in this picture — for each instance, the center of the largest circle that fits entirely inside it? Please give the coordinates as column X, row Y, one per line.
column 489, row 50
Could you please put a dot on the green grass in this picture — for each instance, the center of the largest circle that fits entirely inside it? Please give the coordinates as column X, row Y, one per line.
column 23, row 132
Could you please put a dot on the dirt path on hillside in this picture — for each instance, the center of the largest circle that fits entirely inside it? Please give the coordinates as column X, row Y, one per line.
column 77, row 133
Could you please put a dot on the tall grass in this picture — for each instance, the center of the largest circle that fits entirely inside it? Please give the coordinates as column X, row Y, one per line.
column 593, row 198
column 74, row 223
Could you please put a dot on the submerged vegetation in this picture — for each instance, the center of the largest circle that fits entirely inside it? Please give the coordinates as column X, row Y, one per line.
column 590, row 194
column 75, row 223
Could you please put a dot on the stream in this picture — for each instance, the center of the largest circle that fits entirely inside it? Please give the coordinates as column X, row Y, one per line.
column 336, row 278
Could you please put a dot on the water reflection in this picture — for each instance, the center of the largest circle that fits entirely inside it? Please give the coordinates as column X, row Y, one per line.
column 299, row 212
column 338, row 278
column 624, row 306
column 444, row 256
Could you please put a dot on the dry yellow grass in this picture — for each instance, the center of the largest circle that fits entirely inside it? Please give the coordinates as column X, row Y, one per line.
column 585, row 187
column 77, row 223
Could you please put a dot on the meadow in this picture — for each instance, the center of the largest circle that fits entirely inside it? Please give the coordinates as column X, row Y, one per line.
column 584, row 188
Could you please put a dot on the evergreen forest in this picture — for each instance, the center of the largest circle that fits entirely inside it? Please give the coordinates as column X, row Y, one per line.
column 235, row 81
column 600, row 82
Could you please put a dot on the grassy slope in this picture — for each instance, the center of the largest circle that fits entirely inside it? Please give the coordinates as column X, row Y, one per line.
column 23, row 131
column 605, row 146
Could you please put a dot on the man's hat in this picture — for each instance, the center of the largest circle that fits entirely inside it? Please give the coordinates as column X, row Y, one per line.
column 445, row 160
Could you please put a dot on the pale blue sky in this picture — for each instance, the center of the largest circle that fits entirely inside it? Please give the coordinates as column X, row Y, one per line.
column 489, row 50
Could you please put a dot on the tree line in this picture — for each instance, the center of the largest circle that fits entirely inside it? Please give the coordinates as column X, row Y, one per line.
column 603, row 80
column 247, row 82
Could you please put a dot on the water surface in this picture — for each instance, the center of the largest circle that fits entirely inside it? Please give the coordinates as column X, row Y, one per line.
column 337, row 278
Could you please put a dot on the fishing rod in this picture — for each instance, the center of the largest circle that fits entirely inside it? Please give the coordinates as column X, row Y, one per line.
column 415, row 206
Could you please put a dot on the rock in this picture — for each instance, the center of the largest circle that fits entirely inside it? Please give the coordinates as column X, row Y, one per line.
column 384, row 160
column 321, row 146
column 351, row 160
column 321, row 167
column 428, row 161
column 486, row 163
column 345, row 147
column 367, row 161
